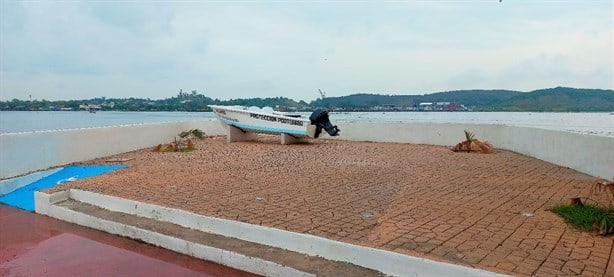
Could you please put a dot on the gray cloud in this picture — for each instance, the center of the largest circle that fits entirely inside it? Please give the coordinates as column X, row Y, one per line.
column 74, row 50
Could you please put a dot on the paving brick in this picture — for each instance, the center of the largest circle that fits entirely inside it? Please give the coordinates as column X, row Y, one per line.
column 572, row 268
column 524, row 269
column 595, row 266
column 580, row 254
column 546, row 271
column 590, row 272
column 509, row 267
column 532, row 262
column 489, row 262
column 553, row 265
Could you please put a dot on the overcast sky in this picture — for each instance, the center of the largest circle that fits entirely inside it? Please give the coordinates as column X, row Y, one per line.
column 80, row 50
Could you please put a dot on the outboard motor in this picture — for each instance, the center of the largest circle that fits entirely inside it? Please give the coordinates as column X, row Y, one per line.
column 319, row 117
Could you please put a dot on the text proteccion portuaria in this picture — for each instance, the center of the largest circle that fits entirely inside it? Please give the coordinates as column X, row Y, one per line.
column 277, row 119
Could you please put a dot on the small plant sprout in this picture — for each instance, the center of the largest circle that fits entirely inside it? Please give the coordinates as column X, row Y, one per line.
column 196, row 133
column 183, row 143
column 471, row 144
column 469, row 136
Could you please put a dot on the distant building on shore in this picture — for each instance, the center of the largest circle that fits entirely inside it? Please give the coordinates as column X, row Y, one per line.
column 425, row 106
column 441, row 107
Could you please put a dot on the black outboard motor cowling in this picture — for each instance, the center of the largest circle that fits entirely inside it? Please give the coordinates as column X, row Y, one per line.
column 319, row 117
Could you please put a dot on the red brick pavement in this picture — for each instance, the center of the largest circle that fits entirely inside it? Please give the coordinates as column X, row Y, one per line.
column 414, row 199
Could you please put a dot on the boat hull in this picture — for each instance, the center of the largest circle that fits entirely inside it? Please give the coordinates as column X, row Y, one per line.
column 258, row 121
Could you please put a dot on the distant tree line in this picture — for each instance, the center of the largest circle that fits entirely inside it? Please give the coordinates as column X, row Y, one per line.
column 189, row 102
column 559, row 99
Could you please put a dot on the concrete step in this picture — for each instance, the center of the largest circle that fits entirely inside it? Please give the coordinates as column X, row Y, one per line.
column 73, row 205
column 232, row 252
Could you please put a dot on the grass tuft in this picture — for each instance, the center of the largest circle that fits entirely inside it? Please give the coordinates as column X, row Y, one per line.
column 584, row 217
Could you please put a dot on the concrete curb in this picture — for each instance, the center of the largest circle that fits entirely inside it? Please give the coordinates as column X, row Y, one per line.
column 220, row 256
column 9, row 185
column 387, row 262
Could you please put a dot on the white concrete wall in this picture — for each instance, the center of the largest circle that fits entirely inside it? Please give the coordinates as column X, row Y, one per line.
column 593, row 155
column 27, row 152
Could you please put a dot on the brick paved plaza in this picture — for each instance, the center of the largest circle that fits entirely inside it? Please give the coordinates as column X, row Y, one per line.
column 487, row 211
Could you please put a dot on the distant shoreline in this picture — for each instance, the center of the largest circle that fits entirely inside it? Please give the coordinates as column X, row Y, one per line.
column 594, row 123
column 559, row 99
column 331, row 110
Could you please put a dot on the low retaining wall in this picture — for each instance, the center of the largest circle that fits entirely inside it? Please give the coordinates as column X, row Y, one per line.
column 589, row 154
column 27, row 152
column 9, row 185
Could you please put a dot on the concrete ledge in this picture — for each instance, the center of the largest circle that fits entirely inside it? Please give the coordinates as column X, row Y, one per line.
column 288, row 139
column 387, row 262
column 234, row 134
column 220, row 256
column 42, row 201
column 10, row 185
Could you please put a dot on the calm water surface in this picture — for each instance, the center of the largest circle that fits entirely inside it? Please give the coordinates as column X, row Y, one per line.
column 12, row 122
column 588, row 123
column 601, row 124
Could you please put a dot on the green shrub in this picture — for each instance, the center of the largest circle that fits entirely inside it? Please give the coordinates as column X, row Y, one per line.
column 588, row 217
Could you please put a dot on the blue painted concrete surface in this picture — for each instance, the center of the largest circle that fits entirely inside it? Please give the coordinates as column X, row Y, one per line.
column 23, row 198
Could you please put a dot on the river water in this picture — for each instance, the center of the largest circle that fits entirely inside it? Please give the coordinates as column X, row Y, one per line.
column 601, row 124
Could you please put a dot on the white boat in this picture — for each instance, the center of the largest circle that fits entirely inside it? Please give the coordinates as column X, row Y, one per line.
column 266, row 120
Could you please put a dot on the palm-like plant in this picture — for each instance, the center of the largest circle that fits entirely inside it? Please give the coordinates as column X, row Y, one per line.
column 183, row 144
column 605, row 225
column 469, row 136
column 194, row 133
column 470, row 141
column 602, row 186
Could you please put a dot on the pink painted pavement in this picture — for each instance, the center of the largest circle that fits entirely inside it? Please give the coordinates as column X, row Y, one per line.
column 36, row 245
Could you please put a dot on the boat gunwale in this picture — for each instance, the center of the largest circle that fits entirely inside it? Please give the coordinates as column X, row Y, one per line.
column 258, row 112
